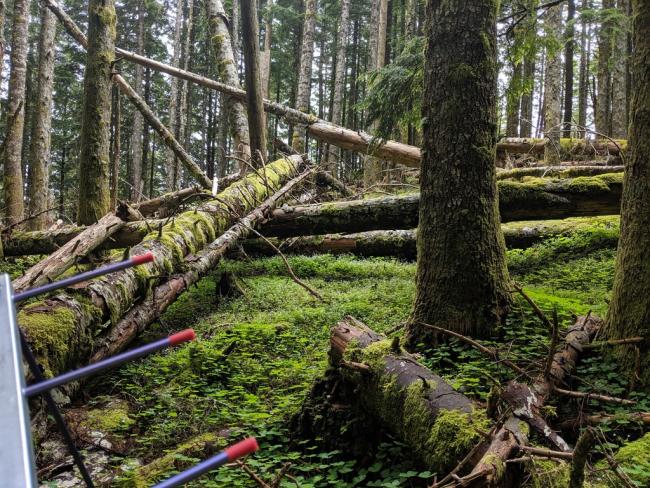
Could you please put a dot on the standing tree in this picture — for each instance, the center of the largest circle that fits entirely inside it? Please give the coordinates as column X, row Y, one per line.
column 604, row 98
column 42, row 125
column 462, row 280
column 135, row 166
column 619, row 74
column 568, row 69
column 305, row 69
column 629, row 310
column 94, row 193
column 13, row 143
column 171, row 165
column 553, row 86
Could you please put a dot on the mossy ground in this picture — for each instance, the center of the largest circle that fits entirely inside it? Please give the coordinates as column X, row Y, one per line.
column 258, row 353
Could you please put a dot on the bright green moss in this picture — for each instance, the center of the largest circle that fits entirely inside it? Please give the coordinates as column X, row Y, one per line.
column 111, row 419
column 588, row 184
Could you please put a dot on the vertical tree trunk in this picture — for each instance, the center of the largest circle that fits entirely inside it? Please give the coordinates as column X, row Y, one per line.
column 266, row 54
column 526, row 118
column 172, row 162
column 619, row 76
column 255, row 107
column 94, row 193
column 629, row 310
column 184, row 112
column 13, row 144
column 584, row 71
column 568, row 69
column 462, row 280
column 604, row 95
column 227, row 70
column 115, row 151
column 135, row 168
column 2, row 35
column 513, row 104
column 334, row 154
column 146, row 138
column 304, row 78
column 553, row 91
column 42, row 126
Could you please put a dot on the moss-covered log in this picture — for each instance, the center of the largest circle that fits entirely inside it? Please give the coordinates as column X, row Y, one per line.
column 532, row 200
column 569, row 148
column 62, row 329
column 438, row 424
column 402, row 243
column 558, row 172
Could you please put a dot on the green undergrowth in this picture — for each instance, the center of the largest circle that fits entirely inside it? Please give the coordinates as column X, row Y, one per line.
column 258, row 354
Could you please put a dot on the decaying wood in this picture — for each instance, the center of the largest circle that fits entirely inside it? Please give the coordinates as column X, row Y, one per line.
column 79, row 315
column 64, row 258
column 557, row 172
column 514, row 145
column 640, row 417
column 195, row 267
column 326, row 179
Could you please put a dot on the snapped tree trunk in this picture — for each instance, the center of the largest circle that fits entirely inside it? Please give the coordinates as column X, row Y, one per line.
column 94, row 191
column 458, row 234
column 15, row 124
column 62, row 329
column 42, row 125
column 629, row 310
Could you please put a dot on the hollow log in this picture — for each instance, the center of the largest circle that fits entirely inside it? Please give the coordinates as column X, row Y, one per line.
column 558, row 172
column 195, row 267
column 598, row 195
column 418, row 407
column 62, row 328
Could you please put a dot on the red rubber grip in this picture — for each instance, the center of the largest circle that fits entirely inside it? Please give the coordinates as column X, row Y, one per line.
column 142, row 259
column 182, row 336
column 242, row 448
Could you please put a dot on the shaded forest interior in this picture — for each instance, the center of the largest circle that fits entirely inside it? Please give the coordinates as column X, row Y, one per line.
column 412, row 237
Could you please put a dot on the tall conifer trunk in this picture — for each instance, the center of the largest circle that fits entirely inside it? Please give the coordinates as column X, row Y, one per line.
column 462, row 280
column 135, row 166
column 303, row 93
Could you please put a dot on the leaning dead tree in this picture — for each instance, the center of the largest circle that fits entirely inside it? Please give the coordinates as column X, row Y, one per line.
column 63, row 329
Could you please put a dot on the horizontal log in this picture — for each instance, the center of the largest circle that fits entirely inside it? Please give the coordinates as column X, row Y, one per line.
column 598, row 195
column 558, row 172
column 576, row 147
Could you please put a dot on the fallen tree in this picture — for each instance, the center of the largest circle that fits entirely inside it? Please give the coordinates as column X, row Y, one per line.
column 567, row 148
column 539, row 199
column 557, row 172
column 62, row 328
column 402, row 243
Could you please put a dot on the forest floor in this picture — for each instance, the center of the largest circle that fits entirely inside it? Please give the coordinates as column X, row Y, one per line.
column 259, row 351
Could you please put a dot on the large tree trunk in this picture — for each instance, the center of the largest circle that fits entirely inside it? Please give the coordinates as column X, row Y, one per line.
column 135, row 166
column 336, row 117
column 598, row 195
column 553, row 89
column 303, row 92
column 13, row 142
column 94, row 192
column 62, row 329
column 42, row 125
column 380, row 382
column 603, row 107
column 629, row 310
column 619, row 75
column 227, row 69
column 255, row 107
column 462, row 280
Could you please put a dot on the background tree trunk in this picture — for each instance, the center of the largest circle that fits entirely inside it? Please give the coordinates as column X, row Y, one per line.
column 13, row 143
column 462, row 280
column 553, row 90
column 513, row 104
column 135, row 166
column 42, row 125
column 526, row 118
column 303, row 92
column 583, row 81
column 629, row 310
column 619, row 76
column 172, row 162
column 604, row 95
column 568, row 69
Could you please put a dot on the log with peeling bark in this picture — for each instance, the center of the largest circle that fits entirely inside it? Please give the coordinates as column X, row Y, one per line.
column 62, row 328
column 558, row 172
column 402, row 243
column 195, row 267
column 577, row 147
column 438, row 424
column 598, row 195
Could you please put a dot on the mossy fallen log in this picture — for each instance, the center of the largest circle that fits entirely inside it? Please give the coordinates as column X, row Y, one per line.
column 569, row 148
column 536, row 199
column 402, row 244
column 62, row 328
column 407, row 400
column 558, row 172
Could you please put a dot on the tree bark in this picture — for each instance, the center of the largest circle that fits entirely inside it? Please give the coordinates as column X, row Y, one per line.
column 583, row 80
column 265, row 75
column 303, row 92
column 603, row 107
column 135, row 168
column 517, row 201
column 117, row 143
column 171, row 165
column 619, row 75
column 336, row 117
column 553, row 89
column 569, row 48
column 227, row 69
column 513, row 104
column 40, row 144
column 526, row 119
column 62, row 329
column 629, row 310
column 3, row 8
column 94, row 192
column 13, row 143
column 254, row 105
column 458, row 181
